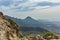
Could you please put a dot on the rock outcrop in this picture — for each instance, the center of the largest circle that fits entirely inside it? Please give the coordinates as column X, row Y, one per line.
column 9, row 30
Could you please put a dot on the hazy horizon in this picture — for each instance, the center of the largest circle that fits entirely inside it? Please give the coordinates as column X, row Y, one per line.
column 37, row 9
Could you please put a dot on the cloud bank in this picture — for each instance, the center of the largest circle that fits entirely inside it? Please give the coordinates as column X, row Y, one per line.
column 25, row 5
column 29, row 7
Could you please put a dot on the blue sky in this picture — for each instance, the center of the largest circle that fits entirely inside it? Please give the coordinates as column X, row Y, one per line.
column 38, row 9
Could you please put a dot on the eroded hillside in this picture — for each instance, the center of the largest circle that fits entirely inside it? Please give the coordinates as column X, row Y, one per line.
column 9, row 30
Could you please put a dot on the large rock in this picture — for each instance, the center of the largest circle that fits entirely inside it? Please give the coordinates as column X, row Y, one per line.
column 9, row 30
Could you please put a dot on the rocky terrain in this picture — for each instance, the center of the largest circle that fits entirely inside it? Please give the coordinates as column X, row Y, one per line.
column 9, row 30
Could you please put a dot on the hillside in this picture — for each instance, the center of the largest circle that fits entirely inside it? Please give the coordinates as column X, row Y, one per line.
column 9, row 30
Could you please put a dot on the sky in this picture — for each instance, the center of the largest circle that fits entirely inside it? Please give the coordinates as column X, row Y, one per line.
column 38, row 9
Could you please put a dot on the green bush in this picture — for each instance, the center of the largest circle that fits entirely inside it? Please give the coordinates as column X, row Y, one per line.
column 49, row 35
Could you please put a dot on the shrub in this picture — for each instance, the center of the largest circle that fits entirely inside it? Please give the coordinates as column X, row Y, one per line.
column 49, row 35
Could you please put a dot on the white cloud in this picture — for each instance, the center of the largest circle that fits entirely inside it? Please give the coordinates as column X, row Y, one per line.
column 50, row 13
column 37, row 0
column 40, row 12
column 17, row 3
column 54, row 0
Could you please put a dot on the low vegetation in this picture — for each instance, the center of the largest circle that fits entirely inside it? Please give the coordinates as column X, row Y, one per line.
column 50, row 35
column 44, row 36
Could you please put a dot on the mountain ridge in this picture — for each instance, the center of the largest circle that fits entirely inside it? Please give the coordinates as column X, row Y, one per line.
column 28, row 24
column 42, row 24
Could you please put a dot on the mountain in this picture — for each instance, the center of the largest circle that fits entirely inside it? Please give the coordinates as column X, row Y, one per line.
column 9, row 30
column 31, row 24
column 28, row 24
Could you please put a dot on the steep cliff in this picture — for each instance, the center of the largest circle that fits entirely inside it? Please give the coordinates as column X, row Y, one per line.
column 9, row 30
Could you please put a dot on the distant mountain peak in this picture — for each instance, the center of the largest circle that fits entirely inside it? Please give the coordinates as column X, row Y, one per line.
column 28, row 17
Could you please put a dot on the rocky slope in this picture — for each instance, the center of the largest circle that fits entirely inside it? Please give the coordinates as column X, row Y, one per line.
column 9, row 30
